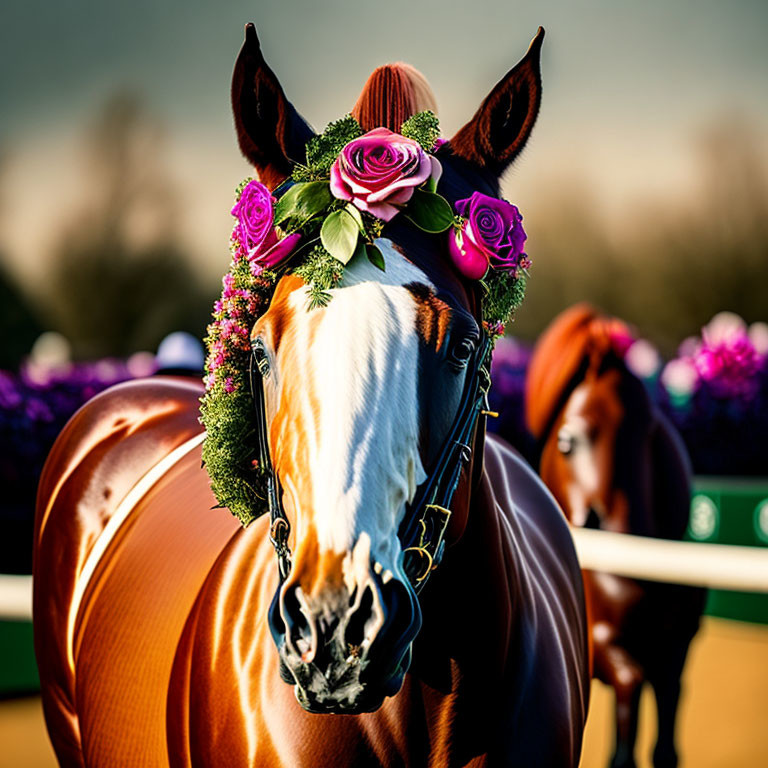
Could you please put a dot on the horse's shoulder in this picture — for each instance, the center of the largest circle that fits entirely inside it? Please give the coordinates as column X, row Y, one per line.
column 101, row 455
column 549, row 601
column 520, row 492
column 138, row 421
column 106, row 447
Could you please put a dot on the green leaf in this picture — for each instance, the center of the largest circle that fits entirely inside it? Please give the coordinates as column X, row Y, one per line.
column 359, row 249
column 303, row 201
column 356, row 215
column 339, row 235
column 429, row 211
column 375, row 257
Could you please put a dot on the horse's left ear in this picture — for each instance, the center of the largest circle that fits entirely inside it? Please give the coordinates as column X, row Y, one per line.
column 500, row 128
column 271, row 133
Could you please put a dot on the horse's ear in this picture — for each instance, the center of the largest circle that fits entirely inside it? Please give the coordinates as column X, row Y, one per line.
column 500, row 128
column 271, row 133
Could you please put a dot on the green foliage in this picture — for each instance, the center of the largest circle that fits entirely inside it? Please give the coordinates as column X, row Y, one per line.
column 423, row 127
column 229, row 450
column 429, row 212
column 226, row 410
column 373, row 227
column 321, row 272
column 322, row 150
column 504, row 293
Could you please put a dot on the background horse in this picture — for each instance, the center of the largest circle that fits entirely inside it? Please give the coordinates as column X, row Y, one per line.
column 614, row 462
column 156, row 619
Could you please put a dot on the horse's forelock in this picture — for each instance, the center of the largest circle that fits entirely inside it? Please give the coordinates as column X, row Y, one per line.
column 392, row 94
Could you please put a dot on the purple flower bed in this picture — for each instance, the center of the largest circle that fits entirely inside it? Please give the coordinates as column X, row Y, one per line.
column 35, row 404
column 507, row 395
column 716, row 393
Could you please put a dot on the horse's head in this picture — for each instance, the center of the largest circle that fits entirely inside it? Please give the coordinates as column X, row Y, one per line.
column 361, row 395
column 594, row 421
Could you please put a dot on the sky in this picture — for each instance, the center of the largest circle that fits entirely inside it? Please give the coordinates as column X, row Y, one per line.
column 628, row 89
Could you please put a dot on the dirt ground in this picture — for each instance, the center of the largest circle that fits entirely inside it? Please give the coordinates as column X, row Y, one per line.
column 723, row 718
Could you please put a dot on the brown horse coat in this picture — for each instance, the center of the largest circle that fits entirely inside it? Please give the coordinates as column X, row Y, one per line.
column 171, row 661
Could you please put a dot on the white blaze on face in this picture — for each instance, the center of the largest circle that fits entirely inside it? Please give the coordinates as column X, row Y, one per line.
column 359, row 357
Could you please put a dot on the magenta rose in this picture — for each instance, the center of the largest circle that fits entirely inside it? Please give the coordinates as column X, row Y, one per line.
column 492, row 235
column 255, row 231
column 380, row 170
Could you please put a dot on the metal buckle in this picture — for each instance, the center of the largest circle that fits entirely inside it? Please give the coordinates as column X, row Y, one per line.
column 431, row 548
column 430, row 562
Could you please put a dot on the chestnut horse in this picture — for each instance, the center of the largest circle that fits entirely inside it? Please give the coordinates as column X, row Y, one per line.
column 614, row 462
column 156, row 618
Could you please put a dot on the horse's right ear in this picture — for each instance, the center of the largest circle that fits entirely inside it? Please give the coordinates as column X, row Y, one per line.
column 501, row 127
column 271, row 133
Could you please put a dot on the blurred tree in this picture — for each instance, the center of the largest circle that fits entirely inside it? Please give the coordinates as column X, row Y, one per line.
column 19, row 325
column 119, row 280
column 672, row 268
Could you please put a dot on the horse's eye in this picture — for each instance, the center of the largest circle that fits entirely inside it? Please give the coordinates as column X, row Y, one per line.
column 260, row 357
column 462, row 351
column 565, row 442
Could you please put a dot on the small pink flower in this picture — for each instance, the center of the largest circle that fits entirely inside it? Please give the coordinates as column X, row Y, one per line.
column 379, row 171
column 492, row 235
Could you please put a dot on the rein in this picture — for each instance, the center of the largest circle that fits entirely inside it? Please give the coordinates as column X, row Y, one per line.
column 422, row 532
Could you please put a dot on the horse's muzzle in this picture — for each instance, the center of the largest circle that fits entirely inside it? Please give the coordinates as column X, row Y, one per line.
column 345, row 652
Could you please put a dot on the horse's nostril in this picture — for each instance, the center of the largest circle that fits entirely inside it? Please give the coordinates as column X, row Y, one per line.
column 299, row 630
column 355, row 633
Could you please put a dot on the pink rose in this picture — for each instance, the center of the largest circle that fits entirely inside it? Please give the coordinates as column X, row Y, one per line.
column 255, row 231
column 492, row 235
column 380, row 170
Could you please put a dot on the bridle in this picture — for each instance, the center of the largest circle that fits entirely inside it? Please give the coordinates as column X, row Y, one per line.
column 422, row 532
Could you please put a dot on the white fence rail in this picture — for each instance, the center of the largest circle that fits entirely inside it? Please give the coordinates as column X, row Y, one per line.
column 15, row 597
column 717, row 566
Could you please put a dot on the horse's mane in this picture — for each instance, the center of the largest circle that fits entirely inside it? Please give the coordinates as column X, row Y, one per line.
column 392, row 94
column 577, row 332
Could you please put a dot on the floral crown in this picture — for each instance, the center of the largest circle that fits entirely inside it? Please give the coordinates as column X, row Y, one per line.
column 327, row 215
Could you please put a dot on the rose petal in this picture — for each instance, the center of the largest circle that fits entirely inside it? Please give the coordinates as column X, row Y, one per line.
column 401, row 196
column 382, row 211
column 339, row 188
column 469, row 260
column 415, row 180
column 278, row 251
